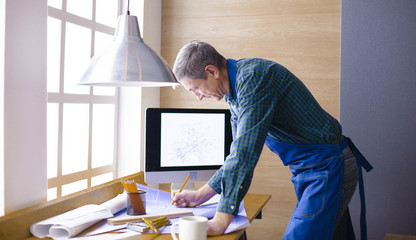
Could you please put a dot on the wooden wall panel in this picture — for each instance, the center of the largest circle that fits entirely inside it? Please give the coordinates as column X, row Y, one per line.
column 302, row 35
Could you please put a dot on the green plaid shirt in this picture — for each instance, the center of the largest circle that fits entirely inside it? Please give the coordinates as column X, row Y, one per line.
column 265, row 99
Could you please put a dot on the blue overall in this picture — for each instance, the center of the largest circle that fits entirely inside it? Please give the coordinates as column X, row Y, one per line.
column 318, row 171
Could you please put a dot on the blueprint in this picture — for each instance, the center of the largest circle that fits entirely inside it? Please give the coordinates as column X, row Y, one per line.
column 193, row 140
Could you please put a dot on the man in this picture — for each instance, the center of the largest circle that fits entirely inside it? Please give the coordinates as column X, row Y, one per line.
column 269, row 105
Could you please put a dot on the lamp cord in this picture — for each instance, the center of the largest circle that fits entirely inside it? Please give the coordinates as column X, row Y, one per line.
column 128, row 7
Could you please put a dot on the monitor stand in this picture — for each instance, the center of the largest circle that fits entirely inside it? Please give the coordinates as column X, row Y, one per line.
column 175, row 187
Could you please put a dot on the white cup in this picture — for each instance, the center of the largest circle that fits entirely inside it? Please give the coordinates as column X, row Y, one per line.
column 191, row 228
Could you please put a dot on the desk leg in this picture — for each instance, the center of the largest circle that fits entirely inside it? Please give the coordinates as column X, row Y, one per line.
column 259, row 216
column 244, row 236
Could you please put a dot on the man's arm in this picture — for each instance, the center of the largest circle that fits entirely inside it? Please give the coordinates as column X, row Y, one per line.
column 219, row 223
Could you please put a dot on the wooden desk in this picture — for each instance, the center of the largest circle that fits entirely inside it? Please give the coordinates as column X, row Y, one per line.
column 399, row 237
column 16, row 225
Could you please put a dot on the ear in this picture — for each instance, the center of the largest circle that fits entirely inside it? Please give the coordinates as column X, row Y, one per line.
column 212, row 70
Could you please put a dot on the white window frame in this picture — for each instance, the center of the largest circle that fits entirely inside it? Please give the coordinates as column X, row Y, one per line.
column 62, row 98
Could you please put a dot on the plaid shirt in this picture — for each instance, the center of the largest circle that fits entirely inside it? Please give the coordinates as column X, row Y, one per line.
column 265, row 99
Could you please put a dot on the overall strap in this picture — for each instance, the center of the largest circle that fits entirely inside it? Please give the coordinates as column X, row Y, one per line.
column 361, row 162
column 232, row 75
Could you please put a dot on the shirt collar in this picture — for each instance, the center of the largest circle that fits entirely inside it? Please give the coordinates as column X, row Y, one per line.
column 232, row 75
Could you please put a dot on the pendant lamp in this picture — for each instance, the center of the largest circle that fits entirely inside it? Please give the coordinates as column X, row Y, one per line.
column 128, row 61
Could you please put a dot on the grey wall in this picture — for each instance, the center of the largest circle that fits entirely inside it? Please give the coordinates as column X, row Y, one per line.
column 378, row 108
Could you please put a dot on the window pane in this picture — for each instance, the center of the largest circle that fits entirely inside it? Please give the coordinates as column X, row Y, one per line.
column 75, row 138
column 54, row 54
column 74, row 187
column 102, row 135
column 52, row 193
column 136, row 9
column 106, row 12
column 104, row 91
column 82, row 8
column 77, row 57
column 101, row 179
column 52, row 135
column 55, row 3
column 102, row 42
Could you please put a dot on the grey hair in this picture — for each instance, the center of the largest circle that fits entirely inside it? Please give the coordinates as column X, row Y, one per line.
column 194, row 57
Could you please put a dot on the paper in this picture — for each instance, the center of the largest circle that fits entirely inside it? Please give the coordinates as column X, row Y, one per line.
column 158, row 201
column 214, row 200
column 71, row 223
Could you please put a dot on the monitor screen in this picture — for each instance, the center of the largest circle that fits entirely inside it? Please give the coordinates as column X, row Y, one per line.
column 185, row 141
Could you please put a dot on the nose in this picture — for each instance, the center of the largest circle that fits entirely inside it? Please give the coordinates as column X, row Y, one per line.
column 198, row 95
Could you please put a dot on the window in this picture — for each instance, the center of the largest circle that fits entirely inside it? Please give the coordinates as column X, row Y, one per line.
column 81, row 120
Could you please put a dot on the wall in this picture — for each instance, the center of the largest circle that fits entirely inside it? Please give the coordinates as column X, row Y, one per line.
column 302, row 35
column 24, row 104
column 2, row 26
column 378, row 111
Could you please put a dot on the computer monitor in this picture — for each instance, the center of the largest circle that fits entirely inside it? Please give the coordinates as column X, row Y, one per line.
column 185, row 141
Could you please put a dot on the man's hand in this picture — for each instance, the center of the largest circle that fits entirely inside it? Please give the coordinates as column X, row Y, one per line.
column 219, row 223
column 186, row 198
column 193, row 198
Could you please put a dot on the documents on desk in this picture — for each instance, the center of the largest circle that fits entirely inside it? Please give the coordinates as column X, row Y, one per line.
column 72, row 223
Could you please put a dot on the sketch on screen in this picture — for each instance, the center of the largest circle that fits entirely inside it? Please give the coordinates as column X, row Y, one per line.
column 192, row 139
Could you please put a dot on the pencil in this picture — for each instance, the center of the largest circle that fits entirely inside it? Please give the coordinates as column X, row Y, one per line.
column 183, row 185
